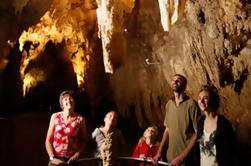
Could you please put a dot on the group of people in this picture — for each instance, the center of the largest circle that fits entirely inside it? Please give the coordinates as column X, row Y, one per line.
column 67, row 135
column 195, row 133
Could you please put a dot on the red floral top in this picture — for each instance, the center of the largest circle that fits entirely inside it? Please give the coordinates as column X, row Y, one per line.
column 66, row 136
column 143, row 148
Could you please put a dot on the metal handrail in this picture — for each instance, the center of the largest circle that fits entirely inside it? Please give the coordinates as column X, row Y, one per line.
column 125, row 158
column 88, row 159
column 143, row 160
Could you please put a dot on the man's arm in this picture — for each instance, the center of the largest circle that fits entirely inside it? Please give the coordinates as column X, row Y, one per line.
column 185, row 152
column 163, row 142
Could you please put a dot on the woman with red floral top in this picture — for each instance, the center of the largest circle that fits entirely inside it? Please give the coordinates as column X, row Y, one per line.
column 147, row 146
column 66, row 133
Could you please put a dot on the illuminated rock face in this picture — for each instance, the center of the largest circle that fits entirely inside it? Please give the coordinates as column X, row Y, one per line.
column 170, row 12
column 68, row 22
column 207, row 41
column 210, row 43
column 112, row 18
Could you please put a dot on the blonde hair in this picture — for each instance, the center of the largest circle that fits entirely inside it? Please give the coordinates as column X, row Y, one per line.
column 156, row 134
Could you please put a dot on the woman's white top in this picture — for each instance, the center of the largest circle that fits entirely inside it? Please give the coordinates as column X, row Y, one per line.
column 208, row 149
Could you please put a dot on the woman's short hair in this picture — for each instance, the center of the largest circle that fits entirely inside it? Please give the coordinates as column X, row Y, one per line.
column 214, row 98
column 64, row 94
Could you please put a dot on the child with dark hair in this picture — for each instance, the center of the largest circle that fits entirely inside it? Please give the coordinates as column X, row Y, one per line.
column 109, row 140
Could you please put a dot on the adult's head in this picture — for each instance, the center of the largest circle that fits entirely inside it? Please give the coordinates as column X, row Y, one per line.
column 67, row 99
column 179, row 83
column 111, row 118
column 209, row 99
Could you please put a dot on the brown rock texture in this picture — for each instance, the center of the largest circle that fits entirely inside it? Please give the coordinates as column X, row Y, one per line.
column 210, row 43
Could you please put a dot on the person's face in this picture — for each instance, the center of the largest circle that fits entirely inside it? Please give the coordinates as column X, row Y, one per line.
column 177, row 84
column 150, row 133
column 111, row 119
column 68, row 102
column 203, row 100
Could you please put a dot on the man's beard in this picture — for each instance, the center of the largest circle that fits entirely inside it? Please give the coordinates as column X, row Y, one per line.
column 178, row 89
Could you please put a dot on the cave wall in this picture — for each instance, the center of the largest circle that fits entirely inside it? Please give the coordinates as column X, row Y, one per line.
column 210, row 43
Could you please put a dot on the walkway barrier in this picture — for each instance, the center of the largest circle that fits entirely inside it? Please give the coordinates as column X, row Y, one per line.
column 142, row 160
column 125, row 158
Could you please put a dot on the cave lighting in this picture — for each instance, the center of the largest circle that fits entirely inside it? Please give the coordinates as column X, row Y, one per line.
column 170, row 11
column 62, row 23
column 32, row 79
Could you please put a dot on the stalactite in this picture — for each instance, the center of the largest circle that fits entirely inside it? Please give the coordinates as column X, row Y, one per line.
column 111, row 16
column 68, row 22
column 170, row 12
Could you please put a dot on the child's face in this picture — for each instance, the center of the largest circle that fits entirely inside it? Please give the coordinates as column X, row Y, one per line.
column 111, row 118
column 150, row 132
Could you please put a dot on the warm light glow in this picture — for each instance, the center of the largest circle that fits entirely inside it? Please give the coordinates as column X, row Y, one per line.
column 31, row 80
column 79, row 66
column 170, row 12
column 67, row 21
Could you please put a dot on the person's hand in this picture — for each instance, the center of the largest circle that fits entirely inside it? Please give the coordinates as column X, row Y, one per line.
column 56, row 161
column 142, row 156
column 73, row 158
column 177, row 161
column 150, row 158
column 156, row 158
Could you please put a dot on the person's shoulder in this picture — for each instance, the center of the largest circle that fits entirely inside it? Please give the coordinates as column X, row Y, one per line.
column 201, row 119
column 170, row 102
column 116, row 130
column 141, row 141
column 191, row 101
column 223, row 120
column 225, row 126
column 80, row 117
column 96, row 132
column 54, row 115
column 118, row 133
